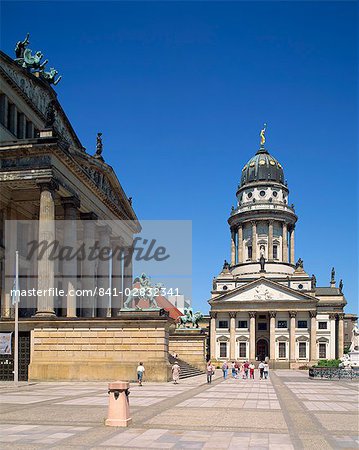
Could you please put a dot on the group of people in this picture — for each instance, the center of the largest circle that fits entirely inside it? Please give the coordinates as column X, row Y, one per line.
column 245, row 370
column 237, row 369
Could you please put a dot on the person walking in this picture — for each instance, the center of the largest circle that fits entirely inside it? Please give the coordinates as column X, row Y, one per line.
column 210, row 372
column 176, row 370
column 246, row 368
column 225, row 369
column 261, row 370
column 140, row 372
column 233, row 367
column 266, row 370
column 251, row 370
column 236, row 366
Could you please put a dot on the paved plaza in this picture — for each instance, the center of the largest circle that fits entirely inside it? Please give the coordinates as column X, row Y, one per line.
column 288, row 411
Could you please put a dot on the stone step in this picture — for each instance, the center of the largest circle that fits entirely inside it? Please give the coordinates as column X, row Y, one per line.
column 187, row 370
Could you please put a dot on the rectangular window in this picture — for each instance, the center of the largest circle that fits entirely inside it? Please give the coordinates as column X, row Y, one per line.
column 262, row 326
column 275, row 252
column 282, row 324
column 242, row 350
column 322, row 351
column 322, row 325
column 302, row 350
column 302, row 324
column 242, row 324
column 249, row 252
column 223, row 324
column 223, row 349
column 282, row 350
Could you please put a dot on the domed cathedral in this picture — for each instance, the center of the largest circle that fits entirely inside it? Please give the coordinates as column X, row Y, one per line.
column 264, row 305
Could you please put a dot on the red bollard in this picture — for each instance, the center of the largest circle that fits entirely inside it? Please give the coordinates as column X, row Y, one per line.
column 118, row 408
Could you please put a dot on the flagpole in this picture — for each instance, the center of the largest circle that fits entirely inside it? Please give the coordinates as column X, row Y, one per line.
column 16, row 346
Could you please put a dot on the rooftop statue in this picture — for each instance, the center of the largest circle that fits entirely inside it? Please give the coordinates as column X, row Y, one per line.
column 262, row 135
column 299, row 263
column 314, row 281
column 21, row 45
column 333, row 275
column 341, row 285
column 50, row 76
column 145, row 292
column 30, row 61
column 99, row 146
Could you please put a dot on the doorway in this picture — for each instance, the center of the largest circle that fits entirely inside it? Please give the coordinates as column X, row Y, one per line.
column 262, row 349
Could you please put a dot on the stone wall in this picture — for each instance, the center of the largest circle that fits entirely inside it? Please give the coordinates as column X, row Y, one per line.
column 98, row 352
column 190, row 346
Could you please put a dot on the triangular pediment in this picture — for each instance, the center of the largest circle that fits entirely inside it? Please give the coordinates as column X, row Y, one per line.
column 262, row 290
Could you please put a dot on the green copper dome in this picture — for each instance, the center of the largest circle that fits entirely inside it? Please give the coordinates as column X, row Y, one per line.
column 262, row 167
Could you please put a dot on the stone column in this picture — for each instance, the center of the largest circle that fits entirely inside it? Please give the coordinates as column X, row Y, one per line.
column 313, row 335
column 254, row 240
column 213, row 335
column 252, row 335
column 233, row 247
column 232, row 335
column 127, row 272
column 70, row 205
column 340, row 335
column 272, row 316
column 8, row 262
column 4, row 105
column 45, row 303
column 333, row 336
column 270, row 240
column 88, row 275
column 292, row 315
column 117, row 276
column 285, row 243
column 12, row 124
column 292, row 257
column 240, row 244
column 103, row 272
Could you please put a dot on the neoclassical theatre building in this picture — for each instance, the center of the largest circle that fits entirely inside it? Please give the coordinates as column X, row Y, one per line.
column 263, row 303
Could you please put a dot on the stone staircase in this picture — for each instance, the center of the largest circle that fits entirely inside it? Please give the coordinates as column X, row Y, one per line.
column 187, row 370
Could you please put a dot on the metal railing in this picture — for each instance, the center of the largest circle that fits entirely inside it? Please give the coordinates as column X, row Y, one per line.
column 332, row 373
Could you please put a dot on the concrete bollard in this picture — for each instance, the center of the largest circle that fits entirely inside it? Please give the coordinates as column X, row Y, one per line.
column 118, row 407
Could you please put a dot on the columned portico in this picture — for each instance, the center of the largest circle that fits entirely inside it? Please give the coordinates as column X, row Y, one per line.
column 45, row 303
column 252, row 335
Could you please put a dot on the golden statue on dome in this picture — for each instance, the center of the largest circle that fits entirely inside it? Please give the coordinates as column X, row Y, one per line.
column 262, row 135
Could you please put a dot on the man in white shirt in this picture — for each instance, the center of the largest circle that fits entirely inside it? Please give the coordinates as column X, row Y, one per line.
column 140, row 371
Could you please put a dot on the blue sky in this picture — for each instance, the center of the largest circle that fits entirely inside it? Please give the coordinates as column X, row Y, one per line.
column 180, row 92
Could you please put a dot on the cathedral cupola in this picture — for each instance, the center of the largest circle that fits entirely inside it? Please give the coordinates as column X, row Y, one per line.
column 262, row 223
